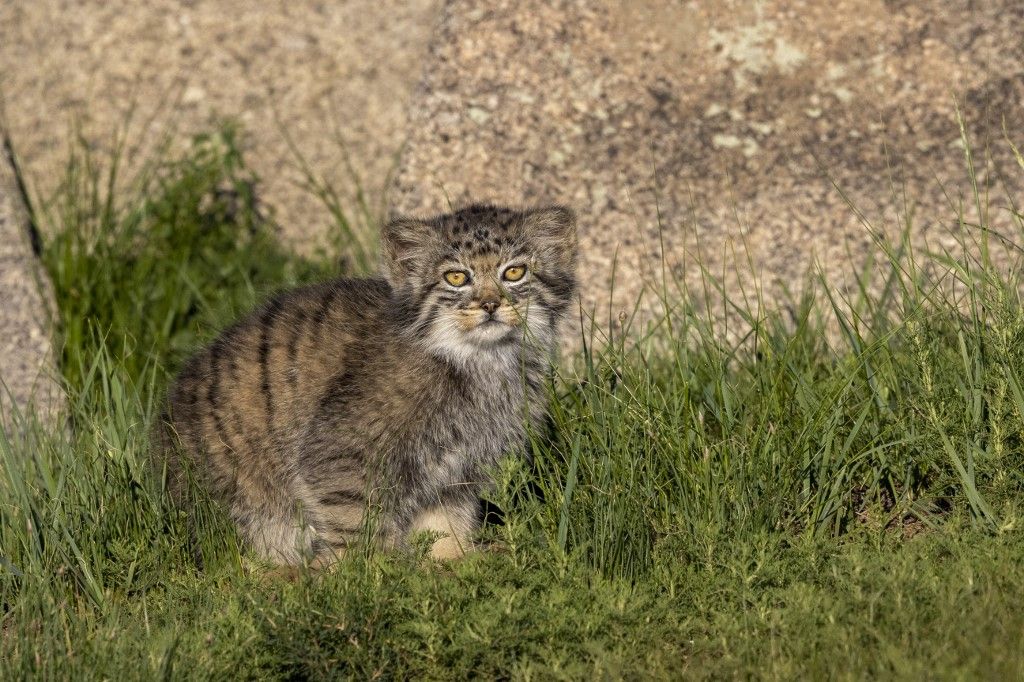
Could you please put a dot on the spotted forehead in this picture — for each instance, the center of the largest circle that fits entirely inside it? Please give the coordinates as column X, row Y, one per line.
column 479, row 232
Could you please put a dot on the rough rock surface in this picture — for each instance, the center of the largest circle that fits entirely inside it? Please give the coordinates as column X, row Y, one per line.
column 336, row 76
column 724, row 123
column 27, row 371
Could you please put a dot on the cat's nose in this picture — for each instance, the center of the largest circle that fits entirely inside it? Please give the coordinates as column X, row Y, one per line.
column 489, row 306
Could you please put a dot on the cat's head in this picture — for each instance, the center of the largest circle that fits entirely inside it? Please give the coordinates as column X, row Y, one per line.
column 483, row 278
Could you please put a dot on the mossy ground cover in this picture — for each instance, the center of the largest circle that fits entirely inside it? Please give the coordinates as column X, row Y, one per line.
column 834, row 492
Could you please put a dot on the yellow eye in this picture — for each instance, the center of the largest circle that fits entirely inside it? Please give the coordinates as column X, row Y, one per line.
column 514, row 273
column 455, row 277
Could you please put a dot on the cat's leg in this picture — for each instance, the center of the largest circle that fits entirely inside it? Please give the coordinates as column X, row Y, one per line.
column 277, row 534
column 335, row 502
column 338, row 527
column 457, row 521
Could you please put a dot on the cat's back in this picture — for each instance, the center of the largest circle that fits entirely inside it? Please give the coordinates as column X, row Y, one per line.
column 245, row 394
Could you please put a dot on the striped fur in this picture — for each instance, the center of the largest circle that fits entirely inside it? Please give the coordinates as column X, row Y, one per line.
column 386, row 399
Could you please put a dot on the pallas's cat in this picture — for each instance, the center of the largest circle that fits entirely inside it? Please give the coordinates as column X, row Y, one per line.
column 386, row 399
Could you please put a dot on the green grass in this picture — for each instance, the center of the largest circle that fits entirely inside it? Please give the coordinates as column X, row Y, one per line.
column 834, row 492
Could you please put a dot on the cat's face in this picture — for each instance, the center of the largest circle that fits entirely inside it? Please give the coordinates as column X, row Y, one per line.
column 483, row 278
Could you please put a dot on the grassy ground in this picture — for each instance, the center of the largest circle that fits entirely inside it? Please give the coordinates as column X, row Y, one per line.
column 777, row 506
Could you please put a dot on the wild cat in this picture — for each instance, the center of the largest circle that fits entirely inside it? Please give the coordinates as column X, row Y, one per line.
column 386, row 398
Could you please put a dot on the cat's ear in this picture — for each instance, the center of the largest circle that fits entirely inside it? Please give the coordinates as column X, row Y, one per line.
column 404, row 243
column 552, row 229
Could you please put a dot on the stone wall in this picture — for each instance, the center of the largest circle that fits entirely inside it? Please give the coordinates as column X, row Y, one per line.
column 28, row 375
column 716, row 127
column 335, row 77
column 678, row 130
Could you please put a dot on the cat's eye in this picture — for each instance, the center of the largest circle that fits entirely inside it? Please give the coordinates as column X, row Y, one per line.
column 456, row 277
column 514, row 273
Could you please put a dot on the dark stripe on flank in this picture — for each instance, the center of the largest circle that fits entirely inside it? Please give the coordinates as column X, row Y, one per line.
column 321, row 312
column 267, row 326
column 293, row 347
column 341, row 390
column 213, row 397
